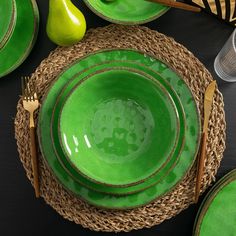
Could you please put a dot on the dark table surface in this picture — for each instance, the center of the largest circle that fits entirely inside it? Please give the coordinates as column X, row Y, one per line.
column 20, row 212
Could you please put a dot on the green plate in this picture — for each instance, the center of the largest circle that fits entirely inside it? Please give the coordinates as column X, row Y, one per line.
column 217, row 214
column 168, row 183
column 127, row 12
column 119, row 126
column 8, row 19
column 17, row 33
column 208, row 197
column 108, row 189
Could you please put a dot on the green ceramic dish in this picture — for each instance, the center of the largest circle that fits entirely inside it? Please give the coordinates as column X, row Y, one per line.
column 108, row 189
column 8, row 19
column 141, row 198
column 208, row 195
column 118, row 127
column 219, row 206
column 18, row 33
column 126, row 12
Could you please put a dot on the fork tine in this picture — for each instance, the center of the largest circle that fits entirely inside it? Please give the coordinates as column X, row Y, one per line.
column 27, row 89
column 23, row 87
column 35, row 92
column 25, row 92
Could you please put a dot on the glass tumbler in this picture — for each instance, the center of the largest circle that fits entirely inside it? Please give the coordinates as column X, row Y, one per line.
column 225, row 62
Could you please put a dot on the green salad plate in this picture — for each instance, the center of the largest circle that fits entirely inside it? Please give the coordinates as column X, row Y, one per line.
column 155, row 67
column 217, row 214
column 18, row 32
column 126, row 12
column 110, row 189
column 118, row 127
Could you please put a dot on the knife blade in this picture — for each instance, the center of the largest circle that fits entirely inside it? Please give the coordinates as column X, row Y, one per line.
column 208, row 102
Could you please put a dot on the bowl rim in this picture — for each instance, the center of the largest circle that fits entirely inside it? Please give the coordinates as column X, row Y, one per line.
column 147, row 77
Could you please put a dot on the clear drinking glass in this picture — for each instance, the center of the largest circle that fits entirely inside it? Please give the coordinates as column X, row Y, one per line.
column 225, row 62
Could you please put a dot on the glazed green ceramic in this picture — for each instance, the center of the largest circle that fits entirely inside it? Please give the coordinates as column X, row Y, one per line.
column 8, row 18
column 109, row 189
column 127, row 12
column 171, row 179
column 18, row 33
column 119, row 127
column 219, row 206
column 213, row 190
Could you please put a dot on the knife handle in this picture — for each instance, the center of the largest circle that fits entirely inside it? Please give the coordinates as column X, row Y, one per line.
column 200, row 167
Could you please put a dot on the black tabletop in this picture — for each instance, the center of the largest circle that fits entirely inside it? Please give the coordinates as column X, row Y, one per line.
column 20, row 212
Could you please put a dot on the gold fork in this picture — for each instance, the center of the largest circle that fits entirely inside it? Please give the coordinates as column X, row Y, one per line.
column 30, row 104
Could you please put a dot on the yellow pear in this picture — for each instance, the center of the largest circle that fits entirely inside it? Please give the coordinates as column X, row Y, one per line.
column 66, row 24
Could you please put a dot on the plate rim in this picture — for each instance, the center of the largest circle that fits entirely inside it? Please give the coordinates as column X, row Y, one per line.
column 211, row 195
column 121, row 22
column 31, row 43
column 10, row 27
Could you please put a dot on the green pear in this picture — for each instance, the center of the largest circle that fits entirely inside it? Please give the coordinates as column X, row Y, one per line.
column 66, row 24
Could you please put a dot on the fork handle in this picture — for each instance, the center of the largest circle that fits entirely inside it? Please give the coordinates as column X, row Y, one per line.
column 200, row 167
column 34, row 161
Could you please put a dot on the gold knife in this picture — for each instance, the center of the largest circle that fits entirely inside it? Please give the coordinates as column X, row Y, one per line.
column 208, row 101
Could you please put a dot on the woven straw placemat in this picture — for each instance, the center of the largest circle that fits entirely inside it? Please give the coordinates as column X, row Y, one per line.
column 195, row 75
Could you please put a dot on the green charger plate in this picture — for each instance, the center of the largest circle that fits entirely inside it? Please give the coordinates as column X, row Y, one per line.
column 208, row 195
column 69, row 168
column 134, row 200
column 118, row 127
column 8, row 20
column 127, row 12
column 17, row 33
column 217, row 214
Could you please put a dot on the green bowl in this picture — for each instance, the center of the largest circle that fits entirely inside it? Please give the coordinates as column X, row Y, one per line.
column 157, row 177
column 18, row 32
column 118, row 127
column 126, row 12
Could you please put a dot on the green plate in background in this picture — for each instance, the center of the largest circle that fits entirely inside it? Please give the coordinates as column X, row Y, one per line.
column 18, row 31
column 217, row 213
column 8, row 20
column 187, row 157
column 127, row 12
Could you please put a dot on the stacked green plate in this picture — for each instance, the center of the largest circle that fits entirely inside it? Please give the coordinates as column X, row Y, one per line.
column 18, row 31
column 217, row 214
column 127, row 12
column 119, row 128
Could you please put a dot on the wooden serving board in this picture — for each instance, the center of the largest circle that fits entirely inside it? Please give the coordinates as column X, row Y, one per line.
column 224, row 9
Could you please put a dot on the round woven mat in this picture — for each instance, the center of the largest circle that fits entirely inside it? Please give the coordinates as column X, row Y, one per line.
column 195, row 75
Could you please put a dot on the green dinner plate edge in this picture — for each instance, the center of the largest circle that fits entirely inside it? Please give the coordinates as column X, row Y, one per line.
column 224, row 181
column 124, row 22
column 31, row 44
